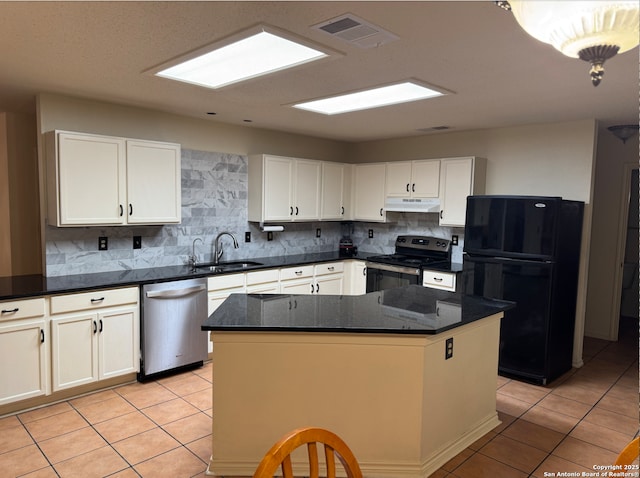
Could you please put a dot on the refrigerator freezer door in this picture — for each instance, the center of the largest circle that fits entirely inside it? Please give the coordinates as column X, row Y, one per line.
column 508, row 226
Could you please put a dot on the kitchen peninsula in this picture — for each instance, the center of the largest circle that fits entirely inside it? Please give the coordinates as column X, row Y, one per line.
column 406, row 376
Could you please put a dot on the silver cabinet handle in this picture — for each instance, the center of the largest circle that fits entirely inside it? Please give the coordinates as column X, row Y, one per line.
column 171, row 293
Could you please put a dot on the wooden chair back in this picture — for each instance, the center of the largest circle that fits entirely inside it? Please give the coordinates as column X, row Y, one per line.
column 280, row 454
column 630, row 452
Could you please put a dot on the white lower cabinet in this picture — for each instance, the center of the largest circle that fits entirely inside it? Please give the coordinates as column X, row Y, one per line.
column 94, row 336
column 439, row 280
column 263, row 282
column 355, row 278
column 329, row 278
column 297, row 280
column 221, row 287
column 24, row 350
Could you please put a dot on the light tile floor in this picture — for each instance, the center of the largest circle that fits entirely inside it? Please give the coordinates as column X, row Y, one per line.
column 163, row 428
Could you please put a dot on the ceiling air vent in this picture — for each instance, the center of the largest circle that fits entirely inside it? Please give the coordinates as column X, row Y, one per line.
column 356, row 31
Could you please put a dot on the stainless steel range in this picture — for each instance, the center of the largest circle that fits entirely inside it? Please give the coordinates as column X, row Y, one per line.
column 405, row 266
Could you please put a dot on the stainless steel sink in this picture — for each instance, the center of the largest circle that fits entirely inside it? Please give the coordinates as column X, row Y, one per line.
column 227, row 266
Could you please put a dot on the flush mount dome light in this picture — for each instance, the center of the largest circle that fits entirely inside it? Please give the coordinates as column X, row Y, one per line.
column 372, row 98
column 254, row 54
column 592, row 30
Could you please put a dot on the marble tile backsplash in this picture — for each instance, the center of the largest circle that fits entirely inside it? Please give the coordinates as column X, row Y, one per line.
column 214, row 199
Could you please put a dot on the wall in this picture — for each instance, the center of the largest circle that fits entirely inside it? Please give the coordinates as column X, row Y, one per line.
column 90, row 116
column 613, row 158
column 548, row 159
column 19, row 196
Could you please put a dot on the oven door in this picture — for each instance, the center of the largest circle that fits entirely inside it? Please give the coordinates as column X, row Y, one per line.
column 386, row 276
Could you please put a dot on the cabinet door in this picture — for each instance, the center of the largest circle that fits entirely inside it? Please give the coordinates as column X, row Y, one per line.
column 74, row 350
column 455, row 186
column 91, row 178
column 306, row 186
column 153, row 183
column 398, row 181
column 369, row 192
column 333, row 189
column 331, row 284
column 298, row 286
column 118, row 342
column 278, row 178
column 358, row 278
column 23, row 360
column 425, row 179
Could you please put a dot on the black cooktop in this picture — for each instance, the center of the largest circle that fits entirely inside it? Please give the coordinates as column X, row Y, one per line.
column 417, row 251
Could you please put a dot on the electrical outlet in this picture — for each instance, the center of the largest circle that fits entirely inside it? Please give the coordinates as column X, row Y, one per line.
column 448, row 348
column 370, row 233
column 269, row 236
column 137, row 242
column 247, row 236
column 103, row 243
column 454, row 240
column 318, row 232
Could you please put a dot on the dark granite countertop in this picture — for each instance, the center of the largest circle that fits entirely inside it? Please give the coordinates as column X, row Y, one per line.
column 406, row 310
column 17, row 287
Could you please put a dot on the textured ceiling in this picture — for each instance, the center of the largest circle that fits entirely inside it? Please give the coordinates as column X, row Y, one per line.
column 498, row 74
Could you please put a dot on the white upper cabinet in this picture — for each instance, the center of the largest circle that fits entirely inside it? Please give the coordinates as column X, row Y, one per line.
column 369, row 192
column 103, row 180
column 459, row 178
column 283, row 189
column 413, row 179
column 335, row 193
column 153, row 182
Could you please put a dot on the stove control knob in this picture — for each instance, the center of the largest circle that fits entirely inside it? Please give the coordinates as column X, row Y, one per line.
column 439, row 244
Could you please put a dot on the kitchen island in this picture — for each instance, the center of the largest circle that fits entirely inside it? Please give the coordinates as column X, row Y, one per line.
column 407, row 376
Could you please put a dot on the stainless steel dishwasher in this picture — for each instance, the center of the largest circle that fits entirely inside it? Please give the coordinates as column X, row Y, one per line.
column 172, row 313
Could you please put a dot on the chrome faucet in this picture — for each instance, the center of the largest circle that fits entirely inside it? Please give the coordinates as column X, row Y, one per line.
column 193, row 259
column 218, row 247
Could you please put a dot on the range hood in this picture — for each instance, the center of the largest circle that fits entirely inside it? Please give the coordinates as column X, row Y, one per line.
column 412, row 204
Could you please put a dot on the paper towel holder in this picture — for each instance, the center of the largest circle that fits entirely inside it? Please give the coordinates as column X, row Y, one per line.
column 271, row 228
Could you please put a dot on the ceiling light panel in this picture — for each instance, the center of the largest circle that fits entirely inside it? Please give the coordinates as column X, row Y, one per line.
column 254, row 55
column 372, row 98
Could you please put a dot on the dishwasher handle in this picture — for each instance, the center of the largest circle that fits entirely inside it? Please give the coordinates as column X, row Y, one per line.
column 173, row 293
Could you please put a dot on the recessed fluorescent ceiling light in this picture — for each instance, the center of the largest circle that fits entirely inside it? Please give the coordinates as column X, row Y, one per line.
column 374, row 98
column 253, row 56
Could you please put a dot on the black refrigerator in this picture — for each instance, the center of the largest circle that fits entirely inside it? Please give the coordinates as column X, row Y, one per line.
column 526, row 249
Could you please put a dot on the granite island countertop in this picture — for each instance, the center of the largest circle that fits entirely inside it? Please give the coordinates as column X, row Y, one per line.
column 405, row 310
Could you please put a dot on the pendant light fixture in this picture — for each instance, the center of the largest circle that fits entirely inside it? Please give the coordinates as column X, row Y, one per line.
column 624, row 131
column 593, row 31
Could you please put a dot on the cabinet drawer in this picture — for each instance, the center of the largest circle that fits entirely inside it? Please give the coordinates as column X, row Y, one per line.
column 260, row 277
column 296, row 272
column 21, row 309
column 225, row 282
column 329, row 268
column 94, row 300
column 439, row 280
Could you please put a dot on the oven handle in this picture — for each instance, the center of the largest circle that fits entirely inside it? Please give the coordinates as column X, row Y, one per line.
column 391, row 268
